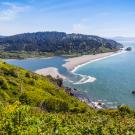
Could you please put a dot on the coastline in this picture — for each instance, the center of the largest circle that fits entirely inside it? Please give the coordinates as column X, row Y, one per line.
column 70, row 61
column 32, row 58
column 72, row 64
column 102, row 58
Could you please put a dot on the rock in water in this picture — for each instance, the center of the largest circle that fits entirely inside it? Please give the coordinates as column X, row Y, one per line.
column 128, row 49
column 133, row 92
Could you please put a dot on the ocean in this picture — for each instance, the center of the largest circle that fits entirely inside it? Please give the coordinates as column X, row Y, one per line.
column 109, row 81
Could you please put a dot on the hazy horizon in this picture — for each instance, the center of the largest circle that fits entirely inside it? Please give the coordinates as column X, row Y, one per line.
column 106, row 18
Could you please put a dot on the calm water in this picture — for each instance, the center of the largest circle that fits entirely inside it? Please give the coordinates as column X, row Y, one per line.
column 115, row 76
column 115, row 79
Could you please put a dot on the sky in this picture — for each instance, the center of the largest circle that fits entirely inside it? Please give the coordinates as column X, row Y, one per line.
column 107, row 18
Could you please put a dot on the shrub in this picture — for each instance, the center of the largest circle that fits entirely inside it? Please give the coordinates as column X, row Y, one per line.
column 83, row 109
column 78, row 109
column 13, row 82
column 3, row 95
column 34, row 76
column 24, row 99
column 75, row 109
column 13, row 72
column 28, row 75
column 111, row 112
column 3, row 83
column 31, row 82
column 10, row 72
column 124, row 109
column 52, row 104
column 59, row 82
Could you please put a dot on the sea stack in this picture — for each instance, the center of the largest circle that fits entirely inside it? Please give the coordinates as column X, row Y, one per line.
column 133, row 92
column 128, row 49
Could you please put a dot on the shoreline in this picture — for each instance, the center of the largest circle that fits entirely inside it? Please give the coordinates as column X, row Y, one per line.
column 91, row 103
column 72, row 65
column 86, row 60
column 115, row 54
column 29, row 58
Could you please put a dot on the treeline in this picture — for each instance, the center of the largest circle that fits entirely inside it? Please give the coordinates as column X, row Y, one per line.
column 58, row 43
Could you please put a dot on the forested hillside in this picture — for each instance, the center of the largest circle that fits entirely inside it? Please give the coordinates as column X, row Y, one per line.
column 58, row 43
column 34, row 104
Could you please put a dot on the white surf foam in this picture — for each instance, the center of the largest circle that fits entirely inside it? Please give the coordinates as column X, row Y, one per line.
column 115, row 54
column 85, row 79
column 90, row 79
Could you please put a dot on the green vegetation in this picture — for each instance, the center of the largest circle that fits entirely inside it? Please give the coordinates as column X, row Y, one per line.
column 34, row 104
column 23, row 54
column 54, row 43
column 34, row 90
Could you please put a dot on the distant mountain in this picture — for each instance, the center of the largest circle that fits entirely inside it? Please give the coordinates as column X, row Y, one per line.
column 58, row 42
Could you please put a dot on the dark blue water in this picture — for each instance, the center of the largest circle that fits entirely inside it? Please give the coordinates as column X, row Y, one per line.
column 115, row 76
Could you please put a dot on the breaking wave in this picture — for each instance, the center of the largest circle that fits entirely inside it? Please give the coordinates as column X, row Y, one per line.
column 85, row 79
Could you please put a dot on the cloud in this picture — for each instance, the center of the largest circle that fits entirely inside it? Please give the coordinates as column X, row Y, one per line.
column 9, row 11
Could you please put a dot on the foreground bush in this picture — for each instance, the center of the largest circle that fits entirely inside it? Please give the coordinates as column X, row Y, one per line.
column 55, row 105
column 23, row 119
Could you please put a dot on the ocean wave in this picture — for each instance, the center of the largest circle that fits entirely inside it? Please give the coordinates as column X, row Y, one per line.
column 85, row 79
column 105, row 104
column 110, row 104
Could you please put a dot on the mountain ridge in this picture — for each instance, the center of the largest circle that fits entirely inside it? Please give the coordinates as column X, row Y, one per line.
column 59, row 43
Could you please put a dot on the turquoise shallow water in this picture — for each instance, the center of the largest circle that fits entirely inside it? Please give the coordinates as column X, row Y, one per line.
column 115, row 77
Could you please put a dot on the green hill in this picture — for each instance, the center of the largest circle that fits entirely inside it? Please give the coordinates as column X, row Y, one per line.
column 54, row 43
column 17, row 84
column 34, row 104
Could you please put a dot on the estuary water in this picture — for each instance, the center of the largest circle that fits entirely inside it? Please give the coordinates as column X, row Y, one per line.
column 114, row 76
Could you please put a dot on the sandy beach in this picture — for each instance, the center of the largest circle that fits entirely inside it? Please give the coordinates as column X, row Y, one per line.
column 50, row 71
column 72, row 63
